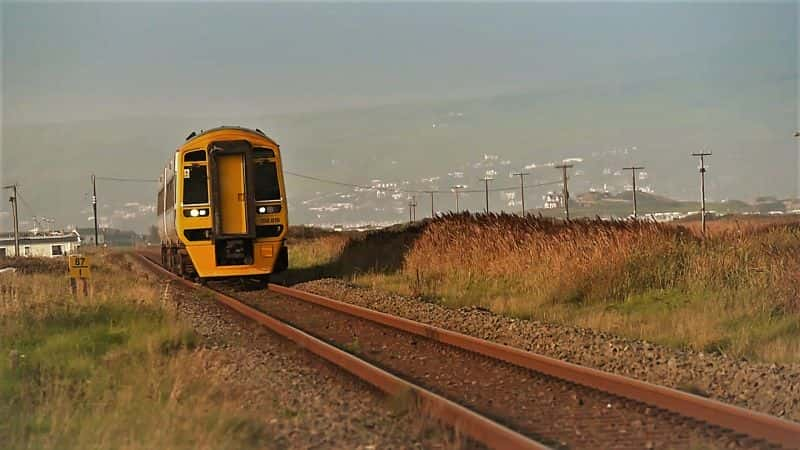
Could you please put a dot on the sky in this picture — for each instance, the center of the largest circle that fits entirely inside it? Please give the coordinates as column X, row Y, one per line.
column 732, row 68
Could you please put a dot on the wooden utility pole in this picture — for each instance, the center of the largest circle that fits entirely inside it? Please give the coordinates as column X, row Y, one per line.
column 633, row 170
column 94, row 208
column 412, row 209
column 14, row 216
column 702, row 156
column 564, row 168
column 456, row 189
column 521, row 176
column 433, row 213
column 486, row 181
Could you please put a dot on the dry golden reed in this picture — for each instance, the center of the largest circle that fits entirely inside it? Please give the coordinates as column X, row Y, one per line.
column 734, row 292
column 593, row 260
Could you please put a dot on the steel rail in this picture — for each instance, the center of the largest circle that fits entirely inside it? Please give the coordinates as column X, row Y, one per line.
column 464, row 420
column 752, row 423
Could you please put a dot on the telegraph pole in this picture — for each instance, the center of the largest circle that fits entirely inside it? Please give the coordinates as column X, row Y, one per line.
column 412, row 209
column 486, row 181
column 455, row 189
column 633, row 170
column 433, row 214
column 94, row 208
column 564, row 168
column 702, row 156
column 14, row 216
column 521, row 176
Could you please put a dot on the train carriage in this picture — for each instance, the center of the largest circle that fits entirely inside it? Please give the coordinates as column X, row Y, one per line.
column 222, row 206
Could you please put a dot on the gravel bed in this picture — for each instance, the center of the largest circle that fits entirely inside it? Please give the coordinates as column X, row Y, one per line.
column 306, row 402
column 557, row 413
column 769, row 388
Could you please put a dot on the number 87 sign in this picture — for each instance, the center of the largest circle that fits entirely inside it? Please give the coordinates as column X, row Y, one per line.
column 79, row 266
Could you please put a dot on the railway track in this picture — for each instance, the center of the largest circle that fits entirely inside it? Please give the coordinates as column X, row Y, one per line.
column 498, row 395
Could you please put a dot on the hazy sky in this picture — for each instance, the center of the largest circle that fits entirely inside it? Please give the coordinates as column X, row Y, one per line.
column 540, row 80
column 100, row 60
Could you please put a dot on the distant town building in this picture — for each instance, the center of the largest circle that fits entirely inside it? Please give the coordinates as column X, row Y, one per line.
column 52, row 244
column 553, row 200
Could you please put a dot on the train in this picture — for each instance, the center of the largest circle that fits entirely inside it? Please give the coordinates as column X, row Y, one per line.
column 221, row 206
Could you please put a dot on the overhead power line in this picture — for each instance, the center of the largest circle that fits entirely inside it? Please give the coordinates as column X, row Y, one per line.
column 130, row 180
column 27, row 205
column 352, row 185
column 323, row 180
column 411, row 191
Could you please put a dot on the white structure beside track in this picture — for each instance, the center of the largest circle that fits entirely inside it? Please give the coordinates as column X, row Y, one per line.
column 51, row 245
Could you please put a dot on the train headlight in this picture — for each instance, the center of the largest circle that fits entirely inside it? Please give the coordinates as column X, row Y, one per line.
column 269, row 209
column 195, row 212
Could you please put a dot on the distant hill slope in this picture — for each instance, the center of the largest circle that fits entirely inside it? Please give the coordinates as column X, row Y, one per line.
column 451, row 141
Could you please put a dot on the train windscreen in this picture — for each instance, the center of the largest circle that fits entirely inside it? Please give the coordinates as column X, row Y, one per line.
column 266, row 174
column 195, row 185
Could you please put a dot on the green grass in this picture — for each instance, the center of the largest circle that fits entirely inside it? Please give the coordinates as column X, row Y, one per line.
column 116, row 370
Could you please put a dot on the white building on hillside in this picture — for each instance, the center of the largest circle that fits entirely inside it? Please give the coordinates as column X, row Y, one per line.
column 51, row 244
column 553, row 200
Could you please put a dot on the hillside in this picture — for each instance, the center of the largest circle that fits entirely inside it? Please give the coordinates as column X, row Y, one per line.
column 421, row 145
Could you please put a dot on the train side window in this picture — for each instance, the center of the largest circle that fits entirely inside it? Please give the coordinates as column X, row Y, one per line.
column 194, row 156
column 160, row 205
column 170, row 194
column 195, row 185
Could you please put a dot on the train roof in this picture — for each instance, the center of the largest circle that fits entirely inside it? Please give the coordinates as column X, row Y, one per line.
column 194, row 135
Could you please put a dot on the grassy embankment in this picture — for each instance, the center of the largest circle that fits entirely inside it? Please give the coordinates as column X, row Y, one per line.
column 117, row 370
column 734, row 293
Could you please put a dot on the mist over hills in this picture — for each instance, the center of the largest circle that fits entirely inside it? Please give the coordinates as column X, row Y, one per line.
column 435, row 145
column 417, row 98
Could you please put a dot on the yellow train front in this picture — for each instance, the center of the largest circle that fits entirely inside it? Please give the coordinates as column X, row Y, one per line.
column 222, row 206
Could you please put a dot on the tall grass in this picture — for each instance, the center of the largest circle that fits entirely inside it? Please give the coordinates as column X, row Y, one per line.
column 592, row 261
column 116, row 370
column 735, row 292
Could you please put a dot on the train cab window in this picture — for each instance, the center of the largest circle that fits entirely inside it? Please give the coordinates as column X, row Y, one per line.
column 195, row 156
column 266, row 174
column 195, row 185
column 260, row 153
